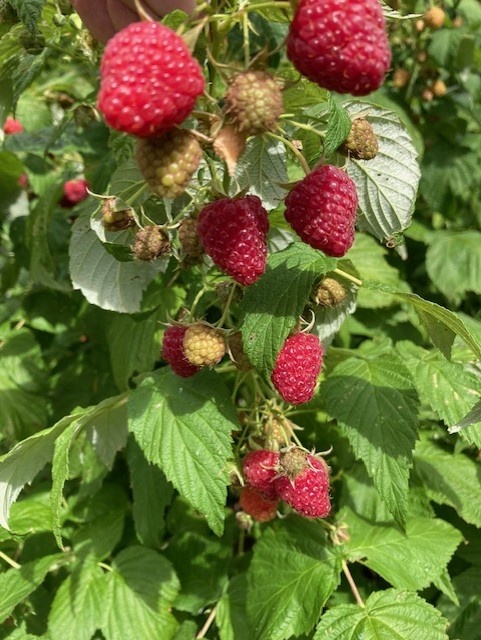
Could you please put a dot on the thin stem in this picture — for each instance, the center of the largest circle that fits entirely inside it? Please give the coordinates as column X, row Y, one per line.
column 348, row 276
column 352, row 584
column 9, row 561
column 306, row 127
column 294, row 150
column 242, row 538
column 225, row 313
column 208, row 623
column 245, row 33
column 107, row 567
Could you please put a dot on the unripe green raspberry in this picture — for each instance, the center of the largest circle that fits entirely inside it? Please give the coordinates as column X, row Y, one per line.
column 150, row 243
column 204, row 346
column 168, row 162
column 189, row 239
column 277, row 431
column 237, row 353
column 362, row 142
column 329, row 293
column 254, row 102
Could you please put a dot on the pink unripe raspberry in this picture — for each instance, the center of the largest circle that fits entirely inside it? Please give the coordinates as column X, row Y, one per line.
column 304, row 483
column 297, row 368
column 173, row 352
column 12, row 126
column 321, row 209
column 260, row 469
column 256, row 505
column 341, row 45
column 233, row 233
column 74, row 191
column 149, row 80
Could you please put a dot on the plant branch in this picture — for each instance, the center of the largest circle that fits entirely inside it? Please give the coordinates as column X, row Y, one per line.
column 9, row 561
column 208, row 623
column 352, row 584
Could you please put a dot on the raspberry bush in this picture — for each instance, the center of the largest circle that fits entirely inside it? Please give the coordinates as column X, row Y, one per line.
column 240, row 391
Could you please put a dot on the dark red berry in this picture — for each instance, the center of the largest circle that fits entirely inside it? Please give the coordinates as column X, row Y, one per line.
column 297, row 368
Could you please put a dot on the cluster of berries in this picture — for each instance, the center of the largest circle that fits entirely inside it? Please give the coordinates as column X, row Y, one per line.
column 189, row 348
column 295, row 476
column 150, row 83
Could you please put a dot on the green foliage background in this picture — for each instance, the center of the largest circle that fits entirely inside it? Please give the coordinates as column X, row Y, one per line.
column 118, row 518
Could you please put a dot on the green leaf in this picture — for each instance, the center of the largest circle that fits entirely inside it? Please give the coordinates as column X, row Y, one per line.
column 410, row 559
column 183, row 426
column 151, row 495
column 20, row 465
column 103, row 280
column 94, row 417
column 447, row 387
column 29, row 11
column 338, row 126
column 44, row 269
column 451, row 479
column 141, row 590
column 32, row 514
column 374, row 401
column 472, row 417
column 134, row 342
column 104, row 523
column 271, row 306
column 292, row 574
column 388, row 615
column 442, row 325
column 107, row 430
column 262, row 171
column 17, row 584
column 465, row 615
column 371, row 260
column 23, row 384
column 453, row 262
column 78, row 608
column 231, row 610
column 201, row 566
column 387, row 184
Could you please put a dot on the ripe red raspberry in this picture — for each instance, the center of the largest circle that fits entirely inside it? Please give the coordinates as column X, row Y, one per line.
column 149, row 80
column 260, row 469
column 74, row 191
column 256, row 505
column 233, row 233
column 321, row 208
column 173, row 352
column 297, row 368
column 12, row 126
column 304, row 483
column 341, row 45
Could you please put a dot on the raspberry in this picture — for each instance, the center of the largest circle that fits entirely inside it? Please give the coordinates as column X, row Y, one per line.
column 297, row 368
column 116, row 215
column 439, row 88
column 12, row 126
column 168, row 162
column 260, row 469
column 149, row 80
column 237, row 353
column 23, row 181
column 254, row 102
column 233, row 233
column 74, row 191
column 434, row 18
column 361, row 142
column 151, row 243
column 329, row 293
column 256, row 505
column 204, row 346
column 321, row 208
column 340, row 44
column 173, row 352
column 189, row 238
column 304, row 483
column 277, row 431
column 400, row 78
